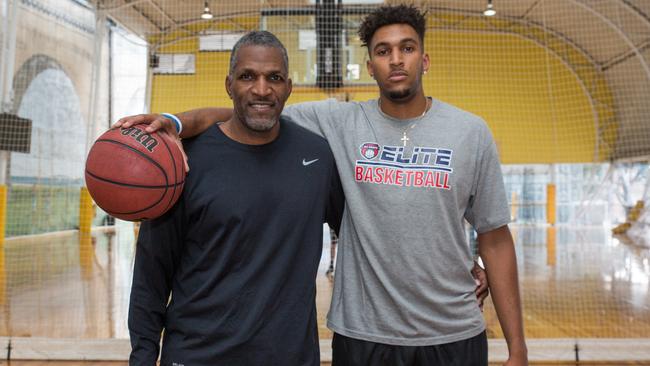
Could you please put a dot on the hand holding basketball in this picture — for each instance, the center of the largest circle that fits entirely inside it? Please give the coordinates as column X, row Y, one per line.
column 154, row 122
column 135, row 175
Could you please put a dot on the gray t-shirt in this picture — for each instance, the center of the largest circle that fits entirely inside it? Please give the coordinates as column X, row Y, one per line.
column 403, row 267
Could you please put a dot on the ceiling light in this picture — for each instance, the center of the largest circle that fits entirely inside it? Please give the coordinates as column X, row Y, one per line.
column 489, row 11
column 207, row 14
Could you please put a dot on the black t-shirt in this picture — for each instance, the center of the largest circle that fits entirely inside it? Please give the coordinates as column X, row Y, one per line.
column 239, row 254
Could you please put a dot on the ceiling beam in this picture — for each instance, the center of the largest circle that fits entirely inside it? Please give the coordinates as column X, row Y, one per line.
column 147, row 17
column 164, row 14
column 126, row 4
column 620, row 58
column 645, row 17
column 620, row 32
column 530, row 9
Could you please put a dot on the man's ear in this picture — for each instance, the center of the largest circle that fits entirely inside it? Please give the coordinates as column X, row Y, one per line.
column 371, row 71
column 228, row 82
column 426, row 63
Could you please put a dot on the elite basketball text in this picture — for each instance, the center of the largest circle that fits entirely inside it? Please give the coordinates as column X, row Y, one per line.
column 424, row 167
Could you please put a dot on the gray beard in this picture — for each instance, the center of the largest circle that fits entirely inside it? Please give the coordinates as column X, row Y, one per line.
column 259, row 124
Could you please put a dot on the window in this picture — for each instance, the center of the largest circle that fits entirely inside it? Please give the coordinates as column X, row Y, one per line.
column 176, row 63
column 221, row 41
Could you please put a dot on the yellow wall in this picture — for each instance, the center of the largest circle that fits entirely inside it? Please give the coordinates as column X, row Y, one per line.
column 176, row 93
column 534, row 104
column 503, row 78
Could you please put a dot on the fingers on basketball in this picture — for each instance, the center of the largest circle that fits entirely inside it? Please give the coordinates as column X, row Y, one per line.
column 180, row 146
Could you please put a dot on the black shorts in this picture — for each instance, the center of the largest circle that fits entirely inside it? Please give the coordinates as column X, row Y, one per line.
column 354, row 352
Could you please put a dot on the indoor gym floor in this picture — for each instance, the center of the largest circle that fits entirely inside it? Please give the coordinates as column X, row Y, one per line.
column 62, row 287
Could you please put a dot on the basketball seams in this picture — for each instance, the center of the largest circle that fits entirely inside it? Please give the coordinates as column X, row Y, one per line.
column 152, row 161
column 112, row 212
column 143, row 155
column 133, row 185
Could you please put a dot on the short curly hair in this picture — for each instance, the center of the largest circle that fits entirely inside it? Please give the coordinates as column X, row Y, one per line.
column 392, row 14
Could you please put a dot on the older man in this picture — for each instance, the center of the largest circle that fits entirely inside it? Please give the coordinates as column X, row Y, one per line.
column 239, row 252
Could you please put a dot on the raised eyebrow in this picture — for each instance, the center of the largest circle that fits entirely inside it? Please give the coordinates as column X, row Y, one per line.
column 264, row 73
column 246, row 71
column 409, row 40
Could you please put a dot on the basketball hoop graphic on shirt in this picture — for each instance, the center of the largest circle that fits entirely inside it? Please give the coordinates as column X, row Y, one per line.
column 370, row 150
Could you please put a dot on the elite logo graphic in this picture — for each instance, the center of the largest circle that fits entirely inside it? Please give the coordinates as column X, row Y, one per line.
column 426, row 167
column 369, row 150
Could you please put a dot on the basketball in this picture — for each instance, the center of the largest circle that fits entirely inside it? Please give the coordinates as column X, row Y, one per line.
column 134, row 175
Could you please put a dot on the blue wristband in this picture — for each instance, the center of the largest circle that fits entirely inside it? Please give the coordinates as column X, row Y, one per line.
column 177, row 122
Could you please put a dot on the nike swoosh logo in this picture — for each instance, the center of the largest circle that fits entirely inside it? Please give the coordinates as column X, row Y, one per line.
column 305, row 163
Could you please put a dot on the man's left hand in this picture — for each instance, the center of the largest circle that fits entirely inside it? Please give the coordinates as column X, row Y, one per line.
column 480, row 277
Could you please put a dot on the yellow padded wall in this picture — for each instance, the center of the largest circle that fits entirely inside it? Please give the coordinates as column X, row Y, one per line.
column 537, row 108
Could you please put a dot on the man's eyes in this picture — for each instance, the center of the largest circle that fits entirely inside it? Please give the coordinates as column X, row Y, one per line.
column 384, row 51
column 250, row 77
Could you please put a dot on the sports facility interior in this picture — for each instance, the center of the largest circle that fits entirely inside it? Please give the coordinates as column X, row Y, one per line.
column 564, row 86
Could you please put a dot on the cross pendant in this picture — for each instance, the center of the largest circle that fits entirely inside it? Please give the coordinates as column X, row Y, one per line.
column 404, row 139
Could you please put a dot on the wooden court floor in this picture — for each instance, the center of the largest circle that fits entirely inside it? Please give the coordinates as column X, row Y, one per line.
column 575, row 283
column 96, row 363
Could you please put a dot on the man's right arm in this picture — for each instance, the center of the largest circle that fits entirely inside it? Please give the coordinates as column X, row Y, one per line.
column 158, row 249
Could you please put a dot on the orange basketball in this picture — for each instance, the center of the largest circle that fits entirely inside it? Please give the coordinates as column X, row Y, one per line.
column 134, row 175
